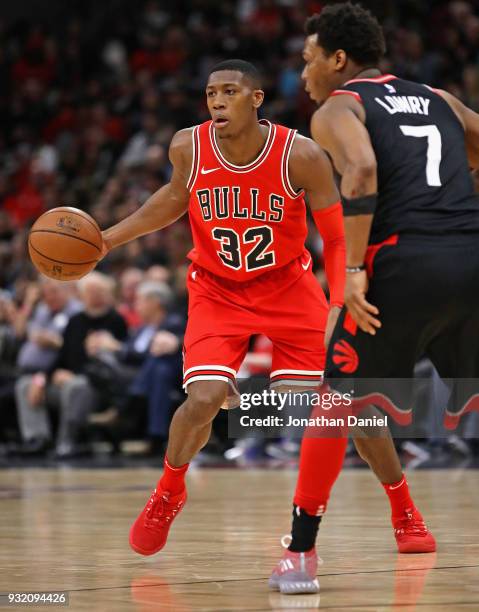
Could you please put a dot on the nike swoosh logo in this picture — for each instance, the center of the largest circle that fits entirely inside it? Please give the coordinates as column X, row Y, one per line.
column 203, row 171
column 391, row 488
column 306, row 266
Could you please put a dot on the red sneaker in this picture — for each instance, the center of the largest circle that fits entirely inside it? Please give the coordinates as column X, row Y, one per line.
column 149, row 532
column 412, row 534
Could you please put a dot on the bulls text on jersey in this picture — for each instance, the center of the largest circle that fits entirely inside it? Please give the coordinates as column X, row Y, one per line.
column 229, row 202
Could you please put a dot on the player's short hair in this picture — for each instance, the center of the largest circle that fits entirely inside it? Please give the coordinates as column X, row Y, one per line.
column 246, row 68
column 349, row 27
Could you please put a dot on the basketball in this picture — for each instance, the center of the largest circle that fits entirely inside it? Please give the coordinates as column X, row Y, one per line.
column 65, row 243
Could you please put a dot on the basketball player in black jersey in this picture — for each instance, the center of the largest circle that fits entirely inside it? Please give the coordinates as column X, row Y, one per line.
column 403, row 152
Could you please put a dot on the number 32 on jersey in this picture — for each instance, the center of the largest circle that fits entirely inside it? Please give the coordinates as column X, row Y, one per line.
column 253, row 245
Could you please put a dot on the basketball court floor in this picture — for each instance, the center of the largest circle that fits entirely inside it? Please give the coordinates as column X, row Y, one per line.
column 67, row 530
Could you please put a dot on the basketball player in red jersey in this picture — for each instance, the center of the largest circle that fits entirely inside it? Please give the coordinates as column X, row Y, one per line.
column 243, row 182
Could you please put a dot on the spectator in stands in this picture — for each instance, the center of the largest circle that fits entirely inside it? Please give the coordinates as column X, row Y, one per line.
column 16, row 308
column 160, row 375
column 68, row 388
column 129, row 281
column 37, row 356
column 153, row 355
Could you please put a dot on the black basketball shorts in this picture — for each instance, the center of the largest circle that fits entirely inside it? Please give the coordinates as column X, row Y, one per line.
column 427, row 291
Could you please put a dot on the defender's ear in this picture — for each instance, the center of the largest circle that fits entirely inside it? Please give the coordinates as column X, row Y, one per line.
column 339, row 58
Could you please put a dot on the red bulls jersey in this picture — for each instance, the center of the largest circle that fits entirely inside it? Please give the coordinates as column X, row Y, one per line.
column 245, row 220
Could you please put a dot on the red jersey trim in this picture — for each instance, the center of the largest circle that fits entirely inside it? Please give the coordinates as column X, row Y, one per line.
column 195, row 164
column 436, row 91
column 285, row 167
column 254, row 164
column 384, row 78
column 373, row 249
column 341, row 92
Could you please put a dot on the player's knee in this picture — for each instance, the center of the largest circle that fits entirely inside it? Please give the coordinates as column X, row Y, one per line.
column 205, row 399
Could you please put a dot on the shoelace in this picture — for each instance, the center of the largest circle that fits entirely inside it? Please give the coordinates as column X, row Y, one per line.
column 159, row 511
column 411, row 526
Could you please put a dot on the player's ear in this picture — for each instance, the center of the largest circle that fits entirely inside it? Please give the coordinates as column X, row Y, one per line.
column 340, row 58
column 258, row 97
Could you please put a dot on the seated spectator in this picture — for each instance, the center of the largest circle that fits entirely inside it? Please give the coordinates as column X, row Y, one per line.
column 16, row 308
column 155, row 350
column 37, row 356
column 158, row 274
column 68, row 388
column 129, row 281
column 9, row 345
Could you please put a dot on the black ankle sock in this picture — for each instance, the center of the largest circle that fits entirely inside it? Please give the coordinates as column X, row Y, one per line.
column 304, row 530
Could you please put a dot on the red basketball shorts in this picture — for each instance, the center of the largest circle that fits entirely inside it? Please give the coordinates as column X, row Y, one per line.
column 286, row 305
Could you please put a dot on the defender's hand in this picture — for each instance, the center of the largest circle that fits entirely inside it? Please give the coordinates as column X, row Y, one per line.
column 359, row 308
column 331, row 324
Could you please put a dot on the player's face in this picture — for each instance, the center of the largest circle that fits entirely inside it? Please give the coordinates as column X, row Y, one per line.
column 320, row 73
column 232, row 102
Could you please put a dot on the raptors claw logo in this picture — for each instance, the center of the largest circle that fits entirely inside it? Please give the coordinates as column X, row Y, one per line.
column 345, row 357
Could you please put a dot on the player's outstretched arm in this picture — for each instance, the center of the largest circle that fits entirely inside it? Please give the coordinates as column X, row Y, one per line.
column 470, row 122
column 162, row 208
column 338, row 126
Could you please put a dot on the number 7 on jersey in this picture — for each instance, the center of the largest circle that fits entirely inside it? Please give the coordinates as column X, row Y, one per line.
column 434, row 149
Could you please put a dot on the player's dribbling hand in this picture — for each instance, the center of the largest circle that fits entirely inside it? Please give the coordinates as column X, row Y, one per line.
column 363, row 313
column 331, row 324
column 105, row 248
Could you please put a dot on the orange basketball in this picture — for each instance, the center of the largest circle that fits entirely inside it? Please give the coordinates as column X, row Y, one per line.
column 65, row 243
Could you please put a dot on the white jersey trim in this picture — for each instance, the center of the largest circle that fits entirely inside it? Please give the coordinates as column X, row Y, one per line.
column 305, row 372
column 208, row 377
column 195, row 162
column 262, row 156
column 285, row 166
column 294, row 382
column 210, row 367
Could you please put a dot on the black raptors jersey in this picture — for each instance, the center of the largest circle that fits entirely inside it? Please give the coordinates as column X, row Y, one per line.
column 424, row 183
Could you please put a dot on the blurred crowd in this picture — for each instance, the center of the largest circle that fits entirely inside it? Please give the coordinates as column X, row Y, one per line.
column 76, row 357
column 88, row 106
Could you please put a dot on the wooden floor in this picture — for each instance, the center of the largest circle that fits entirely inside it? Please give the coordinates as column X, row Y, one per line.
column 67, row 530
